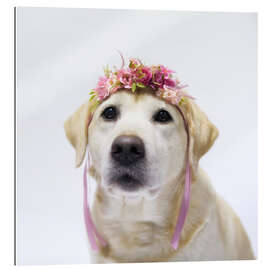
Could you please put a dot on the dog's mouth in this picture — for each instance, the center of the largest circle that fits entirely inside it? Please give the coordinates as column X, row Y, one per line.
column 128, row 183
column 129, row 179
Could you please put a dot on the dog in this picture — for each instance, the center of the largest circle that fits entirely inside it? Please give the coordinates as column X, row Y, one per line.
column 138, row 149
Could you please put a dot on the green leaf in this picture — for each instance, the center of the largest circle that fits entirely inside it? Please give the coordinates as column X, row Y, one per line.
column 92, row 97
column 181, row 101
column 133, row 87
column 140, row 85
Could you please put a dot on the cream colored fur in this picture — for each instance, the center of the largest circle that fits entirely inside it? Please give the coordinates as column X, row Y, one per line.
column 139, row 226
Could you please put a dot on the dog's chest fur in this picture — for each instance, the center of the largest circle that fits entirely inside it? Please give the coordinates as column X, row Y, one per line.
column 141, row 230
column 137, row 230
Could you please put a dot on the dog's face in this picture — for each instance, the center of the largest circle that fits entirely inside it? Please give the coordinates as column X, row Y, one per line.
column 138, row 142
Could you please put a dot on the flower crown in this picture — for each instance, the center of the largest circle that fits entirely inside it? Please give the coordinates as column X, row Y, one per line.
column 137, row 75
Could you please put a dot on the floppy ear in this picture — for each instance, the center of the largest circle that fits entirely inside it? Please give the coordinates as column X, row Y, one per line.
column 76, row 128
column 203, row 133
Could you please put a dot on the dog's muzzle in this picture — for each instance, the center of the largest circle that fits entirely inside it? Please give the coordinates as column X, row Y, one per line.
column 128, row 158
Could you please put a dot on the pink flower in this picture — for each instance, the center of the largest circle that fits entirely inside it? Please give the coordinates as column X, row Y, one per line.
column 162, row 77
column 125, row 77
column 169, row 82
column 144, row 75
column 172, row 95
column 101, row 88
column 158, row 79
column 165, row 70
column 113, row 84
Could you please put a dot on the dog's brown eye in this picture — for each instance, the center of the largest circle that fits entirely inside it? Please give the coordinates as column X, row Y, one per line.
column 162, row 116
column 109, row 113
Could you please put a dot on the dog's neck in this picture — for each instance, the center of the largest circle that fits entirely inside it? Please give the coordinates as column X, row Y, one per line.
column 132, row 227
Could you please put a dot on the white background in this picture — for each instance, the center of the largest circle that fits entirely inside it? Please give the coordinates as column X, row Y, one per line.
column 61, row 53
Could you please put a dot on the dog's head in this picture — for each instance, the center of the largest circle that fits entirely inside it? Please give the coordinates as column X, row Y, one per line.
column 138, row 142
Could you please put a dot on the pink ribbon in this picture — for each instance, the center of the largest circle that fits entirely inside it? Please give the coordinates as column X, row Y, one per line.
column 183, row 211
column 186, row 196
column 92, row 232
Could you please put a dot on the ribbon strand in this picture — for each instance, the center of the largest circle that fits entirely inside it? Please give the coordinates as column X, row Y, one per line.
column 183, row 211
column 186, row 196
column 89, row 224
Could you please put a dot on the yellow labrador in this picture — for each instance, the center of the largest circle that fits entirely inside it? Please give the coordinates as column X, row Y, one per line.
column 138, row 148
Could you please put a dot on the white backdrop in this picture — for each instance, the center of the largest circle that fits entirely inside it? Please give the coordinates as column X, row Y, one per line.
column 60, row 55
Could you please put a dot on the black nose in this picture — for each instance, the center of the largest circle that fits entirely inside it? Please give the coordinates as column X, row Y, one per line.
column 127, row 149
